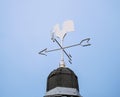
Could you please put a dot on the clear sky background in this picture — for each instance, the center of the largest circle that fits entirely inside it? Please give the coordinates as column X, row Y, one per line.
column 25, row 27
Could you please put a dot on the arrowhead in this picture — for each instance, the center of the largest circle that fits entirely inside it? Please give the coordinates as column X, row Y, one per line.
column 43, row 52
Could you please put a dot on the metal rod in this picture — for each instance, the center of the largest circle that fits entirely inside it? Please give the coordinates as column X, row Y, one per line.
column 63, row 49
column 62, row 52
column 72, row 45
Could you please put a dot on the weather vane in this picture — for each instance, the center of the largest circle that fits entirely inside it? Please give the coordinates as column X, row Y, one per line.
column 68, row 26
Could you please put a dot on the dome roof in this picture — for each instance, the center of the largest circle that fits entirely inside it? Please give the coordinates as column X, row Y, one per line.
column 62, row 77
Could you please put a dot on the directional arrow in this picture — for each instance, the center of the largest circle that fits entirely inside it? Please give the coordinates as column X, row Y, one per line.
column 44, row 51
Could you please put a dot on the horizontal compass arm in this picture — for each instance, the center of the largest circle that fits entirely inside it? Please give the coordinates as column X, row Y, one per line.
column 53, row 50
column 47, row 51
column 81, row 43
column 87, row 40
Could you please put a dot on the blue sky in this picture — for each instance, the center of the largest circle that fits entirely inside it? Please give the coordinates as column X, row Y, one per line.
column 25, row 27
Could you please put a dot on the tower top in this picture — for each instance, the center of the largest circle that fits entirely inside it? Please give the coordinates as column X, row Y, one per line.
column 62, row 82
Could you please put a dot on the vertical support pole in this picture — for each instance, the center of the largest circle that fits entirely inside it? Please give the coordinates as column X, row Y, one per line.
column 62, row 54
column 62, row 63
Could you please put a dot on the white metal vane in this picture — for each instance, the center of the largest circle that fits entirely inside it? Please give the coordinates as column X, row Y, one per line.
column 68, row 26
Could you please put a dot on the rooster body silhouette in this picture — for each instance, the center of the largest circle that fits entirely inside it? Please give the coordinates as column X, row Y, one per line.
column 68, row 26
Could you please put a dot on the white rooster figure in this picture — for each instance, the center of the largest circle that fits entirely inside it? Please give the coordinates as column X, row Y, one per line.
column 68, row 26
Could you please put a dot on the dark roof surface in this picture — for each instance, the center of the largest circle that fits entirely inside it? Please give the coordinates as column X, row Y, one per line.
column 61, row 70
column 62, row 77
